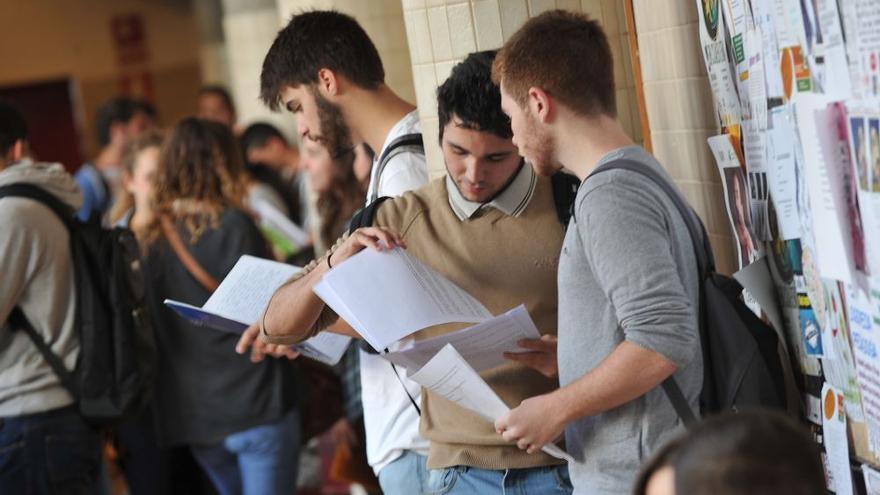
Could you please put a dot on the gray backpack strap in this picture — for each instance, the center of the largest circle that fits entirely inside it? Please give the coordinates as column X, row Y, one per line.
column 407, row 142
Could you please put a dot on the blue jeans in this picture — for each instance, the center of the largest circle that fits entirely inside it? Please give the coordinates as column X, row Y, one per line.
column 262, row 460
column 406, row 475
column 53, row 452
column 467, row 480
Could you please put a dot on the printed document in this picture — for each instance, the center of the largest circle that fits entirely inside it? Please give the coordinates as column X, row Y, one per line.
column 240, row 299
column 451, row 377
column 388, row 295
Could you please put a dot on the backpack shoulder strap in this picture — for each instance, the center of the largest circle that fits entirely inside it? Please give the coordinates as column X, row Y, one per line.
column 189, row 262
column 18, row 321
column 364, row 216
column 565, row 188
column 699, row 238
column 63, row 211
column 398, row 145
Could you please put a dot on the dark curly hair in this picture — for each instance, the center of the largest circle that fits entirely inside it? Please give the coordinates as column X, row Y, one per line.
column 315, row 40
column 472, row 97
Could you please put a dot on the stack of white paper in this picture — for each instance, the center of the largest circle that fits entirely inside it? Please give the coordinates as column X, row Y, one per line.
column 450, row 376
column 240, row 299
column 388, row 295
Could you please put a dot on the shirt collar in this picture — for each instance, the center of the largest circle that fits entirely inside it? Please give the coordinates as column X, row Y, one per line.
column 512, row 200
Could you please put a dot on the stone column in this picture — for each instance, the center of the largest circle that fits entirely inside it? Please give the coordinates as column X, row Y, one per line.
column 249, row 27
column 680, row 112
column 443, row 32
column 212, row 46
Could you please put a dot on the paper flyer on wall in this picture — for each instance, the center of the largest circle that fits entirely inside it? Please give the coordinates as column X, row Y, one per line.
column 861, row 19
column 755, row 146
column 836, row 456
column 241, row 297
column 782, row 172
column 823, row 165
column 718, row 66
column 448, row 375
column 736, row 198
column 864, row 324
column 762, row 14
column 839, row 364
column 864, row 143
column 872, row 480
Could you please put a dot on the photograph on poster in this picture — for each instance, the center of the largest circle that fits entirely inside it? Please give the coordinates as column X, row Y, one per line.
column 859, row 145
column 874, row 153
column 811, row 332
column 735, row 189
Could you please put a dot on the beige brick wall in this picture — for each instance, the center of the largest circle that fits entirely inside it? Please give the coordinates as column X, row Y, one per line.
column 680, row 112
column 443, row 32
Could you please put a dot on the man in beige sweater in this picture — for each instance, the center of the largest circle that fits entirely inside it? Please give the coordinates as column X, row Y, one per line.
column 490, row 226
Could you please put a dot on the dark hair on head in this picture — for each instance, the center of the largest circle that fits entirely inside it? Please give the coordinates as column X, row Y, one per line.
column 119, row 109
column 315, row 40
column 256, row 135
column 471, row 96
column 755, row 452
column 199, row 165
column 564, row 53
column 12, row 127
column 220, row 92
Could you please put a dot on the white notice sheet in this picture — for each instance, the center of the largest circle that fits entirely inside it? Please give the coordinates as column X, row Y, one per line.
column 451, row 377
column 240, row 299
column 481, row 345
column 388, row 295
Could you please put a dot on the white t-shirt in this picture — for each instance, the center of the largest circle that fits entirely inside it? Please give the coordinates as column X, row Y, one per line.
column 390, row 420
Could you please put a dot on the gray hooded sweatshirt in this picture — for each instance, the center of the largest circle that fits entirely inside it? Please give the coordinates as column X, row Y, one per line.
column 36, row 274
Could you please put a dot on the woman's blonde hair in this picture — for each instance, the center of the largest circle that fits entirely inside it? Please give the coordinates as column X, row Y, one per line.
column 125, row 201
column 200, row 174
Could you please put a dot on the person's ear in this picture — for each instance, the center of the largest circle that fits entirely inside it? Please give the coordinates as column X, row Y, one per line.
column 328, row 83
column 16, row 152
column 540, row 104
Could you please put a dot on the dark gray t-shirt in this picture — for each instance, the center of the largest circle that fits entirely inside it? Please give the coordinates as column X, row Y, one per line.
column 627, row 272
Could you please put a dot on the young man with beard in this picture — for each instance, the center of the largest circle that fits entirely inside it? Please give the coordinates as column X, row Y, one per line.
column 491, row 227
column 628, row 283
column 323, row 68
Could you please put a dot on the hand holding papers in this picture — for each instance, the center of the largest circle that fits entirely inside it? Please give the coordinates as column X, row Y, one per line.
column 451, row 377
column 240, row 299
column 361, row 289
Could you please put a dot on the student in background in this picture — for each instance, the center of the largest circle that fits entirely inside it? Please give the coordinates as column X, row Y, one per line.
column 270, row 159
column 240, row 420
column 628, row 285
column 748, row 453
column 46, row 447
column 117, row 123
column 337, row 191
column 132, row 208
column 215, row 103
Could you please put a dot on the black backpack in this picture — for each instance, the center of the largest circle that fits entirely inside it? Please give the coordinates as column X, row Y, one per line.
column 741, row 362
column 116, row 360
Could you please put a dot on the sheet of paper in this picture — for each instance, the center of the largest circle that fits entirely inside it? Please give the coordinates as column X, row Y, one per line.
column 755, row 278
column 450, row 376
column 781, row 172
column 736, row 198
column 830, row 54
column 824, row 182
column 756, row 165
column 274, row 220
column 762, row 13
column 481, row 345
column 738, row 25
column 864, row 324
column 872, row 480
column 721, row 78
column 839, row 364
column 241, row 297
column 757, row 88
column 247, row 288
column 391, row 294
column 836, row 442
column 864, row 143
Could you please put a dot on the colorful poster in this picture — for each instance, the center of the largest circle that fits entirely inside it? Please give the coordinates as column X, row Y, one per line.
column 836, row 443
column 736, row 198
column 864, row 324
column 721, row 79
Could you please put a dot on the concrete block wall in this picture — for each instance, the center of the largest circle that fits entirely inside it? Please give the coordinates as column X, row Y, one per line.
column 443, row 32
column 680, row 112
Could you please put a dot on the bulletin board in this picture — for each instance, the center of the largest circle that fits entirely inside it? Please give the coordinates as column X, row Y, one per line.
column 796, row 90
